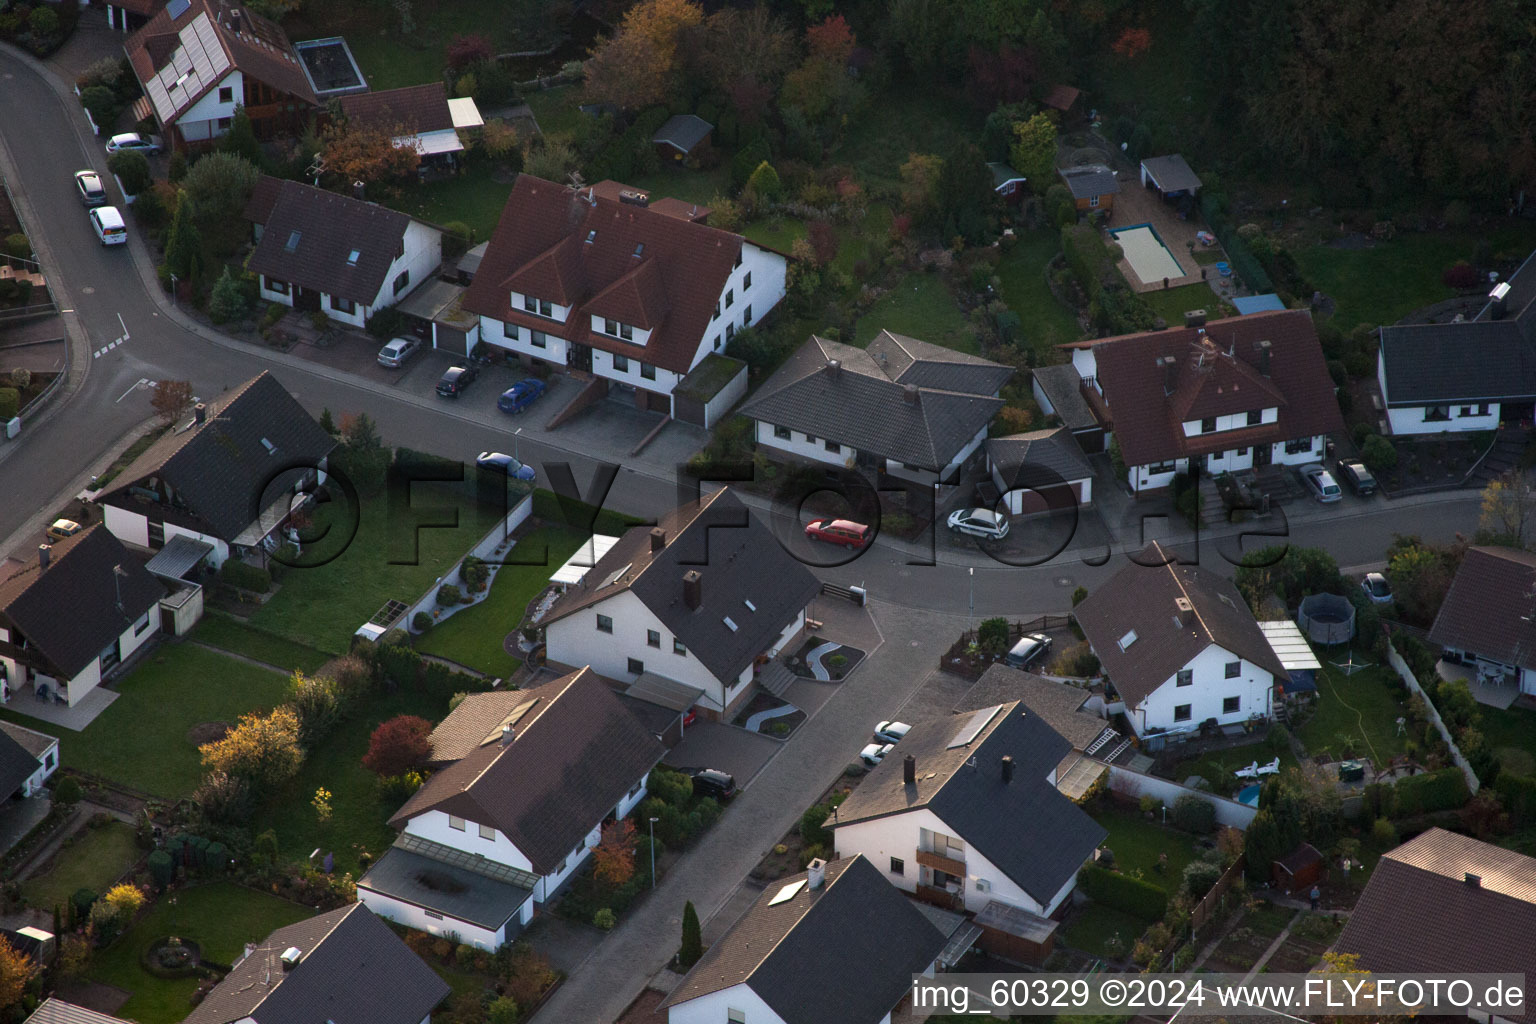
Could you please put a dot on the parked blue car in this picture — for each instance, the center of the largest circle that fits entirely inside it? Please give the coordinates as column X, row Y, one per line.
column 520, row 395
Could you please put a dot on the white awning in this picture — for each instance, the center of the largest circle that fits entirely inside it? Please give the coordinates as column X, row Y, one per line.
column 1290, row 646
column 431, row 143
column 464, row 113
column 585, row 558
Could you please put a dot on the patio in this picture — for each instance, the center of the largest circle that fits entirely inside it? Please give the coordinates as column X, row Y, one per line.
column 1137, row 205
column 24, row 701
column 1497, row 690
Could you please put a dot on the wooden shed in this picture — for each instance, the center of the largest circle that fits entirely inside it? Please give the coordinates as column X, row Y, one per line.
column 1015, row 934
column 1299, row 870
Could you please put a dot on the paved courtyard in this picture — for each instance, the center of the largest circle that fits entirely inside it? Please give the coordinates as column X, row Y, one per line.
column 731, row 750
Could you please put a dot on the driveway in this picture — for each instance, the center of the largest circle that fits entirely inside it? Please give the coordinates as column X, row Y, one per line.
column 732, row 750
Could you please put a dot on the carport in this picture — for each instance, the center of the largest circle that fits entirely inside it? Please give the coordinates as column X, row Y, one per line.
column 673, row 697
column 436, row 312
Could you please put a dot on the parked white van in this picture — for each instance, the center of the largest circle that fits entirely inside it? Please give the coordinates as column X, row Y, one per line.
column 108, row 225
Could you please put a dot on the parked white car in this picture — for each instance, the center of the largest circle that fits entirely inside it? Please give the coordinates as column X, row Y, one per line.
column 134, row 141
column 979, row 522
column 875, row 753
column 891, row 732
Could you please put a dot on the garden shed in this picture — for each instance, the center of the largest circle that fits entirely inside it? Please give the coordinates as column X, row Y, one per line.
column 1300, row 869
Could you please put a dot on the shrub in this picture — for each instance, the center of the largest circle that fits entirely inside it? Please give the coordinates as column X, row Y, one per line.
column 399, row 788
column 228, row 301
column 693, row 938
column 44, row 21
column 398, row 745
column 18, row 246
column 1151, row 944
column 224, row 798
column 263, row 749
column 992, row 635
column 101, row 103
column 1384, row 833
column 67, row 792
column 243, row 576
column 812, row 829
column 1122, row 892
column 474, row 572
column 1200, row 876
column 132, row 169
column 422, row 621
column 502, row 1010
column 316, row 700
column 1378, row 454
column 386, row 323
column 162, row 870
column 10, row 403
column 1194, row 814
column 605, row 919
column 353, row 675
column 1442, row 790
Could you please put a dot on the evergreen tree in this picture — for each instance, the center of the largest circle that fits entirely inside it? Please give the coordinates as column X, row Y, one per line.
column 241, row 138
column 184, row 248
column 693, row 938
column 228, row 301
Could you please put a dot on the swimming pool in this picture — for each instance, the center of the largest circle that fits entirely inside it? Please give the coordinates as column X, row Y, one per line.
column 1149, row 258
column 1249, row 795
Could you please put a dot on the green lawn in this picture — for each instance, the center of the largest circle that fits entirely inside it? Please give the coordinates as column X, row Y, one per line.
column 900, row 122
column 1172, row 303
column 1511, row 732
column 1096, row 924
column 474, row 636
column 1355, row 714
column 687, row 184
column 221, row 917
column 322, row 607
column 1138, row 843
column 556, row 109
column 474, row 197
column 776, row 232
column 142, row 739
column 230, row 634
column 1217, row 766
column 920, row 307
column 98, row 858
column 1022, row 270
column 359, row 819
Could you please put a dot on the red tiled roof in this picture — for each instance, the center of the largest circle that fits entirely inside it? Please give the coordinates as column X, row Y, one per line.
column 1148, row 423
column 416, row 108
column 540, row 248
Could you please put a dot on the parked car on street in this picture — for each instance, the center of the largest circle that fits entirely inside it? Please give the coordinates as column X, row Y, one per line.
column 92, row 192
column 507, row 464
column 521, row 395
column 1357, row 478
column 454, row 382
column 1027, row 650
column 714, row 783
column 62, row 528
column 108, row 225
column 1377, row 588
column 134, row 141
column 875, row 753
column 839, row 531
column 394, row 354
column 979, row 522
column 891, row 732
column 1320, row 484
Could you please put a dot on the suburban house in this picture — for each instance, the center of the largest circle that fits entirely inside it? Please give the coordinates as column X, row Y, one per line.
column 501, row 829
column 676, row 139
column 620, row 192
column 1232, row 395
column 1480, row 898
column 343, row 966
column 420, row 117
column 625, row 295
column 1093, row 187
column 694, row 605
column 966, row 814
column 903, row 407
column 71, row 616
column 1040, row 470
column 1179, row 646
column 1465, row 375
column 316, row 250
column 209, row 477
column 1486, row 622
column 198, row 60
column 27, row 759
column 837, row 943
column 1059, row 390
column 1169, row 176
column 1007, row 182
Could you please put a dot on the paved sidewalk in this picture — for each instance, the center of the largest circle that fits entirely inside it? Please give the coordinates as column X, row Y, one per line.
column 710, row 874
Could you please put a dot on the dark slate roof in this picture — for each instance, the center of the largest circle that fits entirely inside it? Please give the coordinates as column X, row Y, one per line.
column 329, row 227
column 1090, row 181
column 801, row 956
column 221, row 468
column 738, row 560
column 354, row 971
column 576, row 753
column 1059, row 704
column 1217, row 375
column 1142, row 597
column 34, row 742
column 1419, row 914
column 910, row 361
column 1488, row 610
column 682, row 132
column 1171, row 173
column 447, row 888
column 1479, row 361
column 68, row 613
column 1039, row 458
column 859, row 403
column 1034, row 835
column 414, row 109
column 1062, row 387
column 16, row 764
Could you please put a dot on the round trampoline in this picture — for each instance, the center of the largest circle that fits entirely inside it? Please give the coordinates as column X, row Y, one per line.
column 1326, row 618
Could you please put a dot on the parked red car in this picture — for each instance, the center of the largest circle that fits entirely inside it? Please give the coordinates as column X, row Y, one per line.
column 839, row 531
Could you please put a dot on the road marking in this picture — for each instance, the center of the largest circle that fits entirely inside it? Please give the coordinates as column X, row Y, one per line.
column 126, row 335
column 140, row 383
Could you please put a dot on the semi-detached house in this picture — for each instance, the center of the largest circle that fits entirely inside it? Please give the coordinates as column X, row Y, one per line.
column 611, row 288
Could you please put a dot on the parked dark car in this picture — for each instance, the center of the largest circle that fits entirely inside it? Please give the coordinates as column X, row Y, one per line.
column 714, row 783
column 455, row 381
column 520, row 395
column 1357, row 478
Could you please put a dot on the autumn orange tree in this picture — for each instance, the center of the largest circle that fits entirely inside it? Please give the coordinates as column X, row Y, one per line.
column 262, row 748
column 613, row 859
column 170, row 399
column 361, row 152
column 635, row 66
column 16, row 971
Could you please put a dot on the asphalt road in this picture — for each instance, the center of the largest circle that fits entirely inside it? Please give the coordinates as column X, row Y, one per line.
column 111, row 294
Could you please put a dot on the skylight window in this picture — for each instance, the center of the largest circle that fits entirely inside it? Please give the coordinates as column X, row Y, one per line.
column 293, row 242
column 352, row 258
column 615, row 576
column 639, row 249
column 1127, row 640
column 591, row 236
column 729, row 624
column 750, row 606
column 269, row 446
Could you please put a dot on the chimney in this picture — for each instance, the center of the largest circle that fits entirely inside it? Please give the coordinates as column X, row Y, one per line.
column 291, row 957
column 658, row 539
column 200, row 413
column 1185, row 611
column 234, row 21
column 1007, row 768
column 43, row 553
column 834, row 367
column 1475, row 881
column 1263, row 349
column 693, row 589
column 358, row 188
column 1194, row 318
column 1170, row 375
column 508, row 734
column 909, row 770
column 909, row 394
column 815, row 874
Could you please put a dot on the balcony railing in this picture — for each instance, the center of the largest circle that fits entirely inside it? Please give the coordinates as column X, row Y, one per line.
column 939, row 862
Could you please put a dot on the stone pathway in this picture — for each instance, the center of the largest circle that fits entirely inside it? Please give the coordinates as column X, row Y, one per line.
column 755, row 723
column 813, row 659
column 1285, row 933
column 257, row 662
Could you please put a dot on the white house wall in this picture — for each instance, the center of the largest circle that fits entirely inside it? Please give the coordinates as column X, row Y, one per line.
column 1045, row 403
column 422, row 255
column 433, row 825
column 413, row 916
column 1413, row 419
column 201, row 120
column 47, row 765
column 664, row 381
column 715, row 1007
column 128, row 527
column 215, row 557
column 801, row 444
column 495, row 332
column 1085, row 363
column 1312, row 453
column 1235, row 421
column 726, row 398
column 1205, row 694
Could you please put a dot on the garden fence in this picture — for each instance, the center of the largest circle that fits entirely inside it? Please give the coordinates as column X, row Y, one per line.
column 1216, row 900
column 1411, row 681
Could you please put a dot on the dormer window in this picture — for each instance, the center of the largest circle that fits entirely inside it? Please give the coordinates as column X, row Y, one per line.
column 292, row 243
column 614, row 329
column 717, row 310
column 540, row 306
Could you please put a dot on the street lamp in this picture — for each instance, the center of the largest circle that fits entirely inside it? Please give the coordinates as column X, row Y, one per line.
column 515, row 453
column 971, row 608
column 653, row 852
column 173, row 289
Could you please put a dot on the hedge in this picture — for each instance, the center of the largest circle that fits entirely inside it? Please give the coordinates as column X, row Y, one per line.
column 1443, row 790
column 1242, row 259
column 1519, row 795
column 1122, row 892
column 10, row 403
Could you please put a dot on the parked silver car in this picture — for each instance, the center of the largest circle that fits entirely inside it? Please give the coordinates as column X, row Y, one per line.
column 398, row 351
column 1320, row 484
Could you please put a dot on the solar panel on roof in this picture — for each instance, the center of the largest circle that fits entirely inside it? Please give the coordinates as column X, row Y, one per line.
column 787, row 893
column 614, row 576
column 971, row 729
